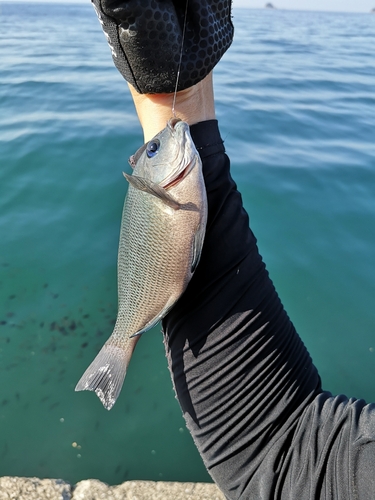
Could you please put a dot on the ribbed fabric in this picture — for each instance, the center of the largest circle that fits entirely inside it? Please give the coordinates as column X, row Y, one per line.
column 248, row 389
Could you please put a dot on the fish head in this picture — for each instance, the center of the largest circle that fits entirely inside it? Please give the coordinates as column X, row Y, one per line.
column 168, row 157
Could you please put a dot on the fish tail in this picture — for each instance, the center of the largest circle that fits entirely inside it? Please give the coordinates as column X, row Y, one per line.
column 106, row 374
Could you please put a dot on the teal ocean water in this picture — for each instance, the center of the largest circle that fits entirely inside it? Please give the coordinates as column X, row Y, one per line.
column 296, row 103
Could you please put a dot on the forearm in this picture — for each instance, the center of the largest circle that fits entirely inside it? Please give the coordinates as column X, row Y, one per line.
column 241, row 373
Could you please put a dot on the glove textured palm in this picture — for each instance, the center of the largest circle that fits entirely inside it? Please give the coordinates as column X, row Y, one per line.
column 145, row 37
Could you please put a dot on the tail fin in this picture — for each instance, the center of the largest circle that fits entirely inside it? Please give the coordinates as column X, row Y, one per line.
column 106, row 374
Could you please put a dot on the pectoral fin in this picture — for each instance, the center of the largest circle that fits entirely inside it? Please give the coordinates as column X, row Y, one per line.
column 197, row 246
column 152, row 188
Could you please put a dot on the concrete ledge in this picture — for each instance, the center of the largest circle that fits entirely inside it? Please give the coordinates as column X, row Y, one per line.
column 25, row 488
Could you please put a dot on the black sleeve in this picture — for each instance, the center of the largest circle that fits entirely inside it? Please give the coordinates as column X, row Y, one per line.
column 248, row 389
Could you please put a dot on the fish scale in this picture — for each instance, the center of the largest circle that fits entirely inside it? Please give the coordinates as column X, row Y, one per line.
column 162, row 231
column 153, row 241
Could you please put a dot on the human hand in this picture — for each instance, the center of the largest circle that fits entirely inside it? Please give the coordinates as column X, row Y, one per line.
column 145, row 37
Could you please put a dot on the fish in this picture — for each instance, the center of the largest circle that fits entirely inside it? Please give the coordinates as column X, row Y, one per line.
column 161, row 238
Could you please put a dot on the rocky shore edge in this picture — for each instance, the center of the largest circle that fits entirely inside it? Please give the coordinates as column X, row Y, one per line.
column 32, row 488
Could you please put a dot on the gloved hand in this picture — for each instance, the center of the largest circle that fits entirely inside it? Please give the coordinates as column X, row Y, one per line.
column 145, row 37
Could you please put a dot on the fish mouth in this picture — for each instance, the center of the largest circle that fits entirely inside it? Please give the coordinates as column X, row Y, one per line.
column 181, row 129
column 172, row 123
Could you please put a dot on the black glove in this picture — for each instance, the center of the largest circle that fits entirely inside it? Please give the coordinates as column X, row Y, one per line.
column 145, row 38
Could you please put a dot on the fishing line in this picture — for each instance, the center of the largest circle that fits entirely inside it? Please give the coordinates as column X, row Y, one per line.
column 180, row 62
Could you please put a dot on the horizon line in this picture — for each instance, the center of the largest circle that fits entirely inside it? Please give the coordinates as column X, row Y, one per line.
column 87, row 2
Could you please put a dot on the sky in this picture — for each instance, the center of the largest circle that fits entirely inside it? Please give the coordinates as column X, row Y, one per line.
column 330, row 5
column 327, row 5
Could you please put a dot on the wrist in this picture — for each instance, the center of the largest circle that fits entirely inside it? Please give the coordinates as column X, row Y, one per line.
column 192, row 105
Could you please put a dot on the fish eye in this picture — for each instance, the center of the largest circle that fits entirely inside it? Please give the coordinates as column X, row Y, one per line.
column 152, row 148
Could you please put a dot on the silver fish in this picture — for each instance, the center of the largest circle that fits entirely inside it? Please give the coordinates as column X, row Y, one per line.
column 162, row 232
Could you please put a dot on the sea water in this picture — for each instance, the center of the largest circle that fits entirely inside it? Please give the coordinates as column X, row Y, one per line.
column 296, row 104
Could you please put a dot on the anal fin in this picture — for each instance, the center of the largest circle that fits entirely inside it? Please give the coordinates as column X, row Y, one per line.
column 156, row 319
